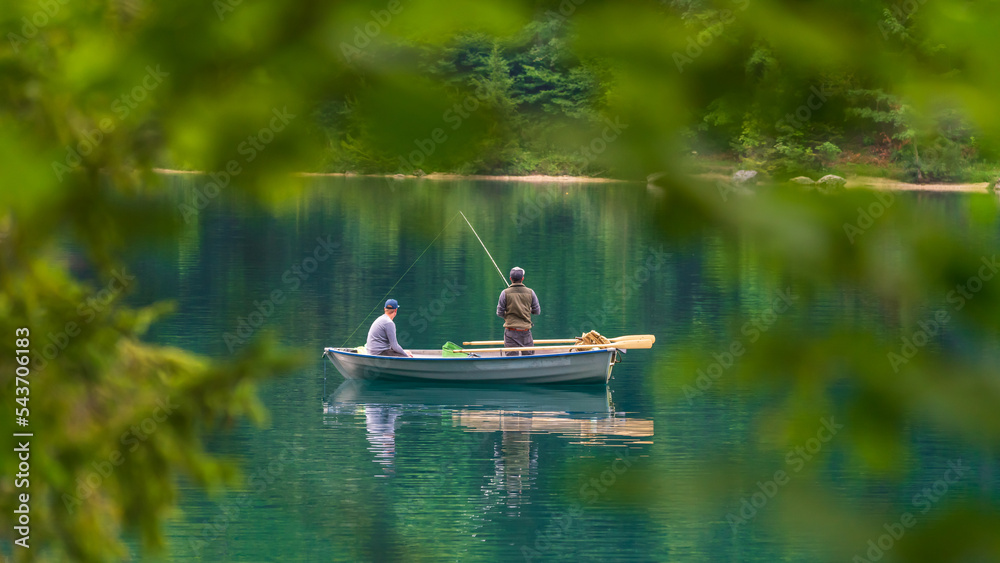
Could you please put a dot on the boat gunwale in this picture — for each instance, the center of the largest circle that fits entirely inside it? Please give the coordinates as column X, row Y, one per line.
column 422, row 358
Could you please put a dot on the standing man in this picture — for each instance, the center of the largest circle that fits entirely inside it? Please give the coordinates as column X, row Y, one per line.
column 382, row 334
column 517, row 304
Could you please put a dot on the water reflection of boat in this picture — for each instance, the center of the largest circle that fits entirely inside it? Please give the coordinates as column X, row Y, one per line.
column 583, row 414
column 572, row 399
column 520, row 414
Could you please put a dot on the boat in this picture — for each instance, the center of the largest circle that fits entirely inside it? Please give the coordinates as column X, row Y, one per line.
column 554, row 366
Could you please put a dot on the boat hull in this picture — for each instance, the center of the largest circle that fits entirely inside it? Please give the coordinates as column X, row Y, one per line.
column 586, row 367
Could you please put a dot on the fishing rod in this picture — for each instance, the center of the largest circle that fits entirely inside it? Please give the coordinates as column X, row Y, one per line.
column 504, row 278
column 418, row 259
column 399, row 280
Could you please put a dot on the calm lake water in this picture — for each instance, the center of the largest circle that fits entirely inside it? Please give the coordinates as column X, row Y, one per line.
column 635, row 472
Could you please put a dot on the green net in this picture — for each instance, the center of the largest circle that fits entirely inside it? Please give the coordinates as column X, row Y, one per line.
column 448, row 350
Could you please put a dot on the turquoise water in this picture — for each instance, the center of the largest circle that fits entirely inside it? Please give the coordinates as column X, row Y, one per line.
column 639, row 471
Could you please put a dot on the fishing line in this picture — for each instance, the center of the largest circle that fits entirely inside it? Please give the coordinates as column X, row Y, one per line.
column 401, row 279
column 486, row 249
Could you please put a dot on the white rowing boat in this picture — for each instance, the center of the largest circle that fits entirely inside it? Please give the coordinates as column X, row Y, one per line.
column 552, row 366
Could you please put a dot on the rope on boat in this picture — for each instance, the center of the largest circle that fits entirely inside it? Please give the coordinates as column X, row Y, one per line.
column 363, row 321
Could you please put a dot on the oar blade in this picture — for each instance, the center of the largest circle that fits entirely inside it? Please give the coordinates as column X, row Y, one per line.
column 642, row 344
column 649, row 337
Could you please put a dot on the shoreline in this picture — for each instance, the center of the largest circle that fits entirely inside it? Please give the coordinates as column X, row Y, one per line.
column 438, row 176
column 877, row 183
column 853, row 182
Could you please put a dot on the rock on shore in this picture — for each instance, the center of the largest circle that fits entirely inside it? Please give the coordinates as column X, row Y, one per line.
column 830, row 183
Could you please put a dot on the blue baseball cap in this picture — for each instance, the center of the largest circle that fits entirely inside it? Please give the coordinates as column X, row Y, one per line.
column 391, row 304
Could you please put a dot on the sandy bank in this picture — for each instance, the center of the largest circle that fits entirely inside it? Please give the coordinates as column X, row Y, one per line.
column 876, row 183
column 888, row 184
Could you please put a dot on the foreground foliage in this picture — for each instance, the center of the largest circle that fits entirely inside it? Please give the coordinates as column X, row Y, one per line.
column 95, row 94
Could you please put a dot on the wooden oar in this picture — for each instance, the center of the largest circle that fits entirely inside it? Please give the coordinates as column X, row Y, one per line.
column 623, row 345
column 649, row 337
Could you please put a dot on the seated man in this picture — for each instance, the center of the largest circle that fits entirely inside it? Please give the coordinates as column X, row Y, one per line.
column 382, row 334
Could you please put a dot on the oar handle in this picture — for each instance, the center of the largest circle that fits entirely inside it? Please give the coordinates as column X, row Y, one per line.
column 535, row 348
column 627, row 337
column 499, row 342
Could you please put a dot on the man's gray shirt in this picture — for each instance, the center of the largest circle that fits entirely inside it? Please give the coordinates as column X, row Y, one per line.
column 382, row 336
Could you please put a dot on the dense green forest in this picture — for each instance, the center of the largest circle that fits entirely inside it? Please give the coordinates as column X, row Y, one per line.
column 521, row 103
column 518, row 102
